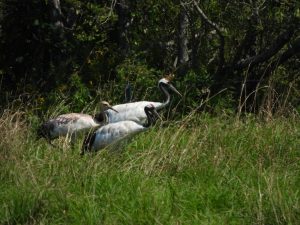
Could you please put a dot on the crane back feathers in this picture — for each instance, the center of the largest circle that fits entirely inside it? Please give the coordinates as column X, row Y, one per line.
column 67, row 123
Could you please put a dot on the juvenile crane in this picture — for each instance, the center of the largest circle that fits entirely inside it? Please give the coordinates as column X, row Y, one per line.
column 135, row 110
column 113, row 133
column 73, row 123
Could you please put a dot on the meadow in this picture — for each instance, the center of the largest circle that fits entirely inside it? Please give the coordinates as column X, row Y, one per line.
column 201, row 169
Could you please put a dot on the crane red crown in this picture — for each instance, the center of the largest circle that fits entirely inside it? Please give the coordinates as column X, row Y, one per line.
column 170, row 76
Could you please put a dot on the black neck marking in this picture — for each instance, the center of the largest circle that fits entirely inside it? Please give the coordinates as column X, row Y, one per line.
column 150, row 117
column 101, row 117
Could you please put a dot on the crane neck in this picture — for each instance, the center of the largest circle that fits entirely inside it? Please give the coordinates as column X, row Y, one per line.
column 150, row 119
column 101, row 117
column 163, row 88
column 88, row 142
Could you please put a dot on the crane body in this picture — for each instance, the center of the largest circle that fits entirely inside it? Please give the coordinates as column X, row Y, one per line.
column 135, row 110
column 113, row 133
column 73, row 123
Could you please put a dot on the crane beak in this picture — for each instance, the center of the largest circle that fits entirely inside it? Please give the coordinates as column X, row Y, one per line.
column 174, row 89
column 156, row 114
column 113, row 109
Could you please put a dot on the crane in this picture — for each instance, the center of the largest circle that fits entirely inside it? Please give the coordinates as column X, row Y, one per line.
column 73, row 123
column 113, row 133
column 135, row 110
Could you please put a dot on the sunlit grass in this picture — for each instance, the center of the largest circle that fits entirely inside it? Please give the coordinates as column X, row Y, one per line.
column 200, row 170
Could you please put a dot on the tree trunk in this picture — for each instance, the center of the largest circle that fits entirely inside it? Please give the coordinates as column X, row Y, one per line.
column 56, row 14
column 123, row 12
column 183, row 56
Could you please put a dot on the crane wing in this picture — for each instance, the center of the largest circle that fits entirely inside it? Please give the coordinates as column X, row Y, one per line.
column 133, row 111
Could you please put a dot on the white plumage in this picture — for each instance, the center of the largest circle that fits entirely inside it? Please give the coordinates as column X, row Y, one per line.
column 113, row 133
column 72, row 123
column 135, row 110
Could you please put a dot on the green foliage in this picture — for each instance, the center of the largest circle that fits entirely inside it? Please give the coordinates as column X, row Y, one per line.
column 39, row 57
column 142, row 79
column 72, row 97
column 223, row 103
column 196, row 89
column 79, row 92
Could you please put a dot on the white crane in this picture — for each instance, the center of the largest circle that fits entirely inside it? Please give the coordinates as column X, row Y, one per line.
column 113, row 133
column 72, row 123
column 135, row 110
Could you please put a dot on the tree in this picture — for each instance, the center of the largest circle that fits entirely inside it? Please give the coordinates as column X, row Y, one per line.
column 123, row 12
column 183, row 51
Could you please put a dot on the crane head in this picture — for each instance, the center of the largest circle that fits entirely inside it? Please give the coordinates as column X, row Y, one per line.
column 170, row 76
column 166, row 83
column 105, row 106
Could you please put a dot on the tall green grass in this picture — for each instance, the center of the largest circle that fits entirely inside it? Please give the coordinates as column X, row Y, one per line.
column 200, row 170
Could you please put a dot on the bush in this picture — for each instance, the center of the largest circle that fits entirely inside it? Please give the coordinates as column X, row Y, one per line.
column 142, row 79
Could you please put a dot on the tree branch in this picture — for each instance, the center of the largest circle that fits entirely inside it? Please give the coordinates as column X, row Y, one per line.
column 207, row 20
column 294, row 49
column 219, row 32
column 56, row 13
column 250, row 37
column 274, row 48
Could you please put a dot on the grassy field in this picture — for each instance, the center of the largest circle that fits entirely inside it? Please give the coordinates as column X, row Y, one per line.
column 201, row 170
